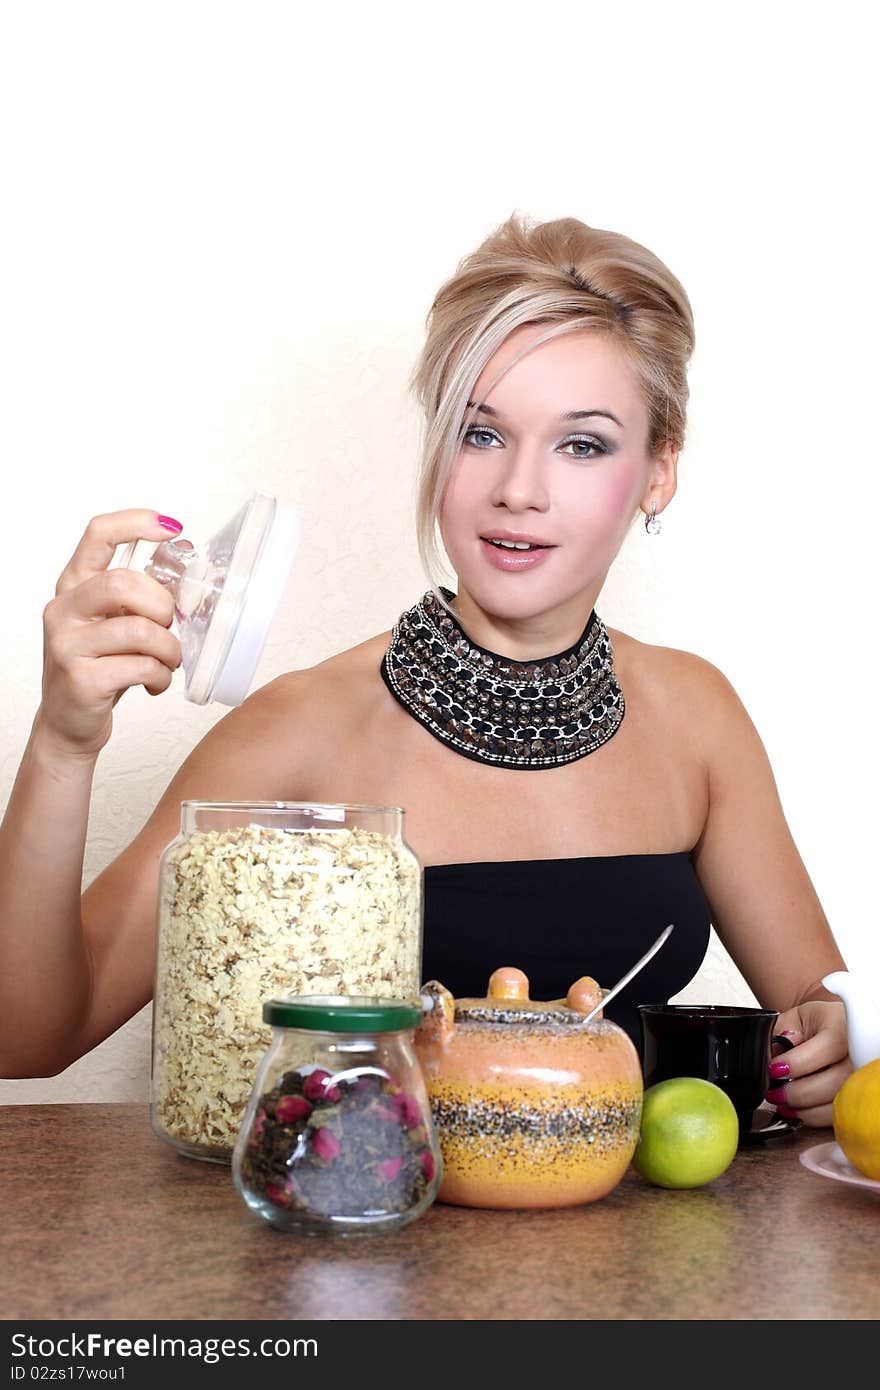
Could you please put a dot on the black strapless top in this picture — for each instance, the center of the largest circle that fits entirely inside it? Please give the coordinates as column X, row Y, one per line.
column 558, row 919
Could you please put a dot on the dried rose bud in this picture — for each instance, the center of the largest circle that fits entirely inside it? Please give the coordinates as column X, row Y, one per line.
column 389, row 1168
column 407, row 1109
column 292, row 1108
column 317, row 1087
column 429, row 1167
column 313, row 1086
column 325, row 1144
column 277, row 1195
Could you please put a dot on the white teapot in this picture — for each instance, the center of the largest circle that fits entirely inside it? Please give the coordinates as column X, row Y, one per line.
column 862, row 1014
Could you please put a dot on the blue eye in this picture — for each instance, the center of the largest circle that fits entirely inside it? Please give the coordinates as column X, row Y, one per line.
column 478, row 429
column 595, row 445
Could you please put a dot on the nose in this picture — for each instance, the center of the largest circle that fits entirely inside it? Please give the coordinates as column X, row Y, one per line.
column 520, row 484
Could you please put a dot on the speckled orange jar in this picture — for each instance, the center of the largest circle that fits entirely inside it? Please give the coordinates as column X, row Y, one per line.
column 533, row 1107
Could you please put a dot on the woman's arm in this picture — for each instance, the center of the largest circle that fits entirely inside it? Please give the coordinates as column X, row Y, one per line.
column 74, row 970
column 74, row 966
column 764, row 906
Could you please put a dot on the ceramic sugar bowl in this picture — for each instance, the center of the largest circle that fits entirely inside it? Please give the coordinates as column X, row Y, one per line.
column 533, row 1106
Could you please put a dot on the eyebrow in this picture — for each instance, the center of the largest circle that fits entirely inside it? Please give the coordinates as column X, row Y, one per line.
column 569, row 414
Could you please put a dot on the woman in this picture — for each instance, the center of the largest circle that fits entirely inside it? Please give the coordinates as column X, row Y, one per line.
column 568, row 788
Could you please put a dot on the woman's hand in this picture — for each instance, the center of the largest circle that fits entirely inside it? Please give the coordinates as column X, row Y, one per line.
column 104, row 630
column 818, row 1062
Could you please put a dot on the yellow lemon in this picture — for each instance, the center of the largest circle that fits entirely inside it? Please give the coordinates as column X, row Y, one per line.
column 856, row 1115
column 689, row 1135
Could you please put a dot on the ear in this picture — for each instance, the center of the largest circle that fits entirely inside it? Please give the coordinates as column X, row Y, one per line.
column 662, row 480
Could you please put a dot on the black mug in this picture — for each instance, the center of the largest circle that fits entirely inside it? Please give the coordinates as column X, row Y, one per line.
column 726, row 1044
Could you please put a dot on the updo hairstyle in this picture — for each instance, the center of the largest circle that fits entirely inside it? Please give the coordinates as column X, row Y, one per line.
column 572, row 277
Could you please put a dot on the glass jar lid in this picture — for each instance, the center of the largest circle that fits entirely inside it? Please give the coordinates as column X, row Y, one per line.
column 336, row 1013
column 226, row 595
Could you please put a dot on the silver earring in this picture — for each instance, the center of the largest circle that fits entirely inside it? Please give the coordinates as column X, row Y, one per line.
column 653, row 524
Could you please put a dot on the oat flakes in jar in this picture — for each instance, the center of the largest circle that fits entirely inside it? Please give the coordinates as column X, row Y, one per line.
column 257, row 900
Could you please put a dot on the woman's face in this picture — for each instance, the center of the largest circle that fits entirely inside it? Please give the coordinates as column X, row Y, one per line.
column 572, row 484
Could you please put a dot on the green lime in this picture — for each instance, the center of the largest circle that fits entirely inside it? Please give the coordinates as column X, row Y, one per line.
column 690, row 1132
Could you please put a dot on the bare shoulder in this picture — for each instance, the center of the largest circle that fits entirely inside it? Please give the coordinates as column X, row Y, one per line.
column 687, row 688
column 334, row 696
column 693, row 695
column 672, row 665
column 347, row 677
column 360, row 661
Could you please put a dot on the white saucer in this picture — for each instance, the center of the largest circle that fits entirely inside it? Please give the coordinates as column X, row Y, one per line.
column 829, row 1161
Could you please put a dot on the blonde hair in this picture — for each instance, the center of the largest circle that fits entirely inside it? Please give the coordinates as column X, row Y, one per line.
column 562, row 273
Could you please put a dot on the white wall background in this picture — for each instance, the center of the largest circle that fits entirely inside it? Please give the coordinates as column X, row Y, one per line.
column 224, row 226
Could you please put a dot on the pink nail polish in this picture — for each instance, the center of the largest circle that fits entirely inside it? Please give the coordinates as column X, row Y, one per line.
column 169, row 523
column 775, row 1096
column 786, row 1112
column 779, row 1070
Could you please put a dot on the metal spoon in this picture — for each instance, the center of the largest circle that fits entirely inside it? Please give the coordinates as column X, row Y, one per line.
column 664, row 935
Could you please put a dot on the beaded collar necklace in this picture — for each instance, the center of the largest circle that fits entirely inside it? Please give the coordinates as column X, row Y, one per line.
column 519, row 714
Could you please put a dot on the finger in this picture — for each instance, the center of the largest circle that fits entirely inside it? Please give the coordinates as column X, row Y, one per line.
column 819, row 1117
column 103, row 534
column 823, row 1049
column 158, row 686
column 117, row 673
column 782, row 1043
column 788, row 1032
column 131, row 635
column 819, row 1088
column 115, row 593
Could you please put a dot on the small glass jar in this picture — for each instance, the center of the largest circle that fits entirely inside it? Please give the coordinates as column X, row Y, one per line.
column 265, row 899
column 338, row 1134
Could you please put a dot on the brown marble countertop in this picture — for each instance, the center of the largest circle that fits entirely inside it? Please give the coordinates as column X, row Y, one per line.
column 101, row 1219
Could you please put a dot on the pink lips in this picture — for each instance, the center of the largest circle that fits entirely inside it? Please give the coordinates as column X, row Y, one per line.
column 504, row 535
column 514, row 560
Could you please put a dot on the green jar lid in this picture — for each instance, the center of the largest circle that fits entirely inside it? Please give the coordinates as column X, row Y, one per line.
column 336, row 1013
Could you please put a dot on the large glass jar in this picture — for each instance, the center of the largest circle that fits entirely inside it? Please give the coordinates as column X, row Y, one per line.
column 338, row 1135
column 258, row 899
